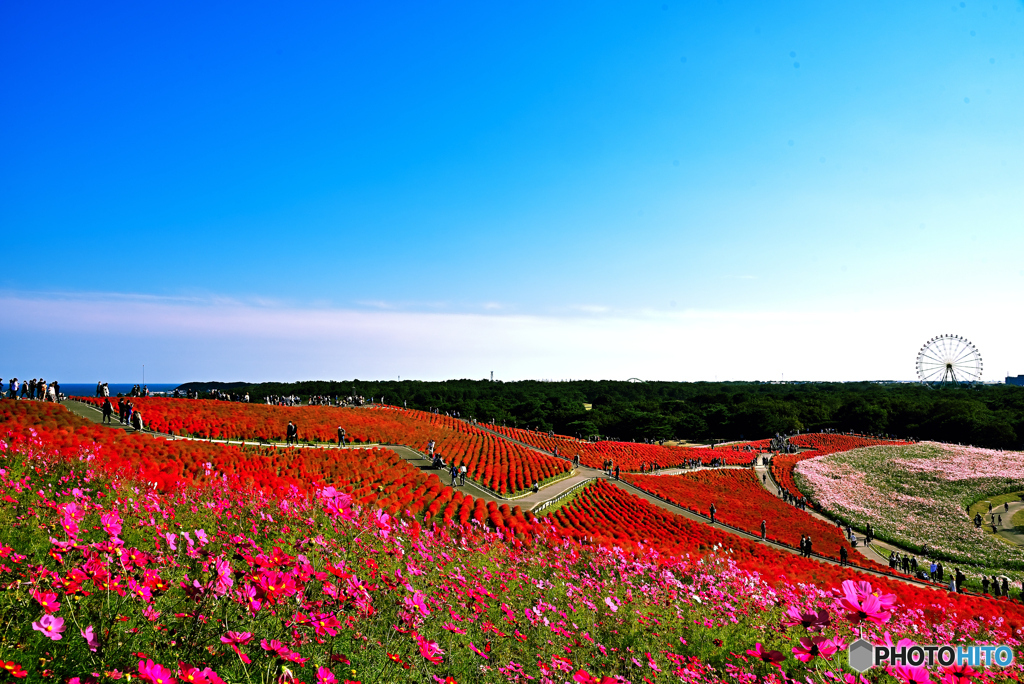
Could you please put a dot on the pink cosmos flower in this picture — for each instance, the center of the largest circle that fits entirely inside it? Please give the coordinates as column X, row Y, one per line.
column 958, row 674
column 612, row 604
column 90, row 638
column 811, row 647
column 111, row 523
column 860, row 607
column 430, row 650
column 46, row 599
column 236, row 638
column 911, row 675
column 383, row 521
column 474, row 649
column 450, row 626
column 863, row 589
column 770, row 657
column 171, row 538
column 50, row 626
column 813, row 621
column 192, row 675
column 418, row 602
column 326, row 625
column 325, row 676
column 584, row 677
column 157, row 674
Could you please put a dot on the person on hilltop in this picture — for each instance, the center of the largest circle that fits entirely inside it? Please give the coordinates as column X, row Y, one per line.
column 14, row 388
column 137, row 420
column 108, row 410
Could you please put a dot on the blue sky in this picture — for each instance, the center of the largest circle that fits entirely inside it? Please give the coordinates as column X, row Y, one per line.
column 567, row 170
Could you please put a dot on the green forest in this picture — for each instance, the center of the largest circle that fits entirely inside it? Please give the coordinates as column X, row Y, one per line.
column 982, row 415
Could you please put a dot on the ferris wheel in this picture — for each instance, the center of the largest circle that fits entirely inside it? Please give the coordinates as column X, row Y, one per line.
column 948, row 359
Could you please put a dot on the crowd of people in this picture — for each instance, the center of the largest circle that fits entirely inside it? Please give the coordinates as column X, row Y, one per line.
column 35, row 389
column 127, row 414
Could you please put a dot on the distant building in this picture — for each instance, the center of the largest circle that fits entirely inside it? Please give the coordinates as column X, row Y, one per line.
column 1019, row 380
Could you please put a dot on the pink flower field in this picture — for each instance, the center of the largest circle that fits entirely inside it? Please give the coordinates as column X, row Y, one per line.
column 918, row 494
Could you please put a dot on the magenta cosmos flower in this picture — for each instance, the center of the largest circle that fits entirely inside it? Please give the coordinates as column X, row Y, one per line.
column 770, row 657
column 50, row 626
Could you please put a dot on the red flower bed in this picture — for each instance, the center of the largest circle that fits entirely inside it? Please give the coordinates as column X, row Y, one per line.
column 494, row 462
column 606, row 515
column 820, row 444
column 742, row 502
column 629, row 456
column 371, row 476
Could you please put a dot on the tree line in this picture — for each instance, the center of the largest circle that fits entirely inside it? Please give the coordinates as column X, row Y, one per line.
column 982, row 415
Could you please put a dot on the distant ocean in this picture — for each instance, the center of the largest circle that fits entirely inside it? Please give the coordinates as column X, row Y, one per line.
column 73, row 389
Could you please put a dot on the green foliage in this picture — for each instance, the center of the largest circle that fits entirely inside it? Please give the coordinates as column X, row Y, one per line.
column 988, row 415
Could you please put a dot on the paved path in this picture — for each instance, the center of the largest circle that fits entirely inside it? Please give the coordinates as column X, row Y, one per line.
column 1008, row 531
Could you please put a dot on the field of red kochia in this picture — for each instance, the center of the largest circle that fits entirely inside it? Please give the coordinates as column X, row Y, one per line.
column 376, row 476
column 629, row 456
column 603, row 514
column 742, row 502
column 496, row 463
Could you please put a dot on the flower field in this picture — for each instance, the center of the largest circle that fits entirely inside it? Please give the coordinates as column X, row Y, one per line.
column 742, row 502
column 629, row 456
column 108, row 578
column 917, row 494
column 606, row 515
column 369, row 476
column 820, row 444
column 497, row 464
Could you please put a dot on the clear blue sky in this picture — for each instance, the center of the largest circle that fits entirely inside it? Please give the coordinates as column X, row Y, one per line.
column 548, row 161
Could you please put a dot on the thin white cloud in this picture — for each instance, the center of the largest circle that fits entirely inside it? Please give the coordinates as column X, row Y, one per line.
column 84, row 339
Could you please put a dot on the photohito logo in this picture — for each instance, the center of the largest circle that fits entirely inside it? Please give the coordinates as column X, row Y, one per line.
column 863, row 655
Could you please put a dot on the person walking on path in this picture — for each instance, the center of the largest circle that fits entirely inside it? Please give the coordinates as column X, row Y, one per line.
column 341, row 436
column 960, row 578
column 454, row 473
column 462, row 475
column 842, row 555
column 938, row 571
column 803, row 545
column 108, row 410
column 712, row 514
column 616, row 472
column 764, row 529
column 809, row 548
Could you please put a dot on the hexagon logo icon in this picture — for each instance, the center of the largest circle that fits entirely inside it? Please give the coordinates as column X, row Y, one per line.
column 861, row 655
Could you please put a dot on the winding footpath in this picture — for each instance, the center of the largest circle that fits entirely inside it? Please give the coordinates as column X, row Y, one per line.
column 576, row 480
